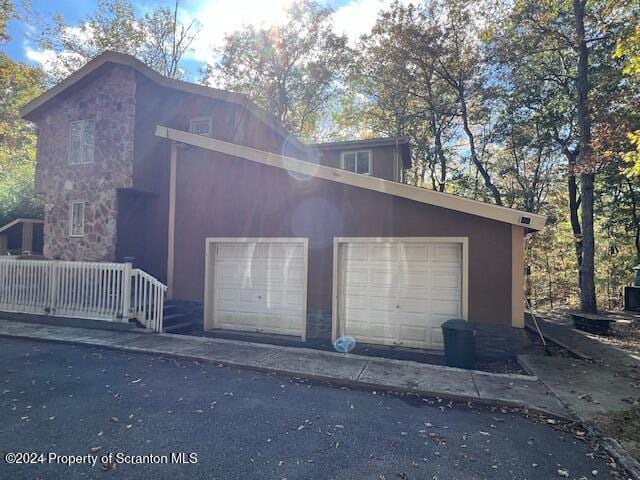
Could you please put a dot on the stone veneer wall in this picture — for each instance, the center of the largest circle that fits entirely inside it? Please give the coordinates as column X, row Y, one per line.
column 109, row 99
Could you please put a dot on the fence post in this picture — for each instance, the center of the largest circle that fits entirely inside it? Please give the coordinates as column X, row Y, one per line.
column 126, row 292
column 53, row 288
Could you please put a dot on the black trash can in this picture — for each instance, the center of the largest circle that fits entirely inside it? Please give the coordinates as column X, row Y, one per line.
column 459, row 343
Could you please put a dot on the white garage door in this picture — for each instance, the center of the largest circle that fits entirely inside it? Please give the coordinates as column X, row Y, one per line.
column 399, row 293
column 260, row 287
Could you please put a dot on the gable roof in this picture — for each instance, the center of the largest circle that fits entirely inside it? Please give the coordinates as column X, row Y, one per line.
column 431, row 197
column 31, row 109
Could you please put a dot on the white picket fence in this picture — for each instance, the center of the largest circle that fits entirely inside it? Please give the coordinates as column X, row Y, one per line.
column 91, row 290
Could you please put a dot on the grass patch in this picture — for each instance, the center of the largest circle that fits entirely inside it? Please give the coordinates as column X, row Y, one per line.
column 624, row 426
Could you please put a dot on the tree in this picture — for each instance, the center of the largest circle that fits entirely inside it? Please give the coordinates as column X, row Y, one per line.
column 19, row 83
column 291, row 70
column 6, row 13
column 391, row 94
column 572, row 57
column 628, row 51
column 585, row 160
column 158, row 38
column 167, row 40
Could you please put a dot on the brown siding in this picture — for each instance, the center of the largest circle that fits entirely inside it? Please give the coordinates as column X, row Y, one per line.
column 156, row 105
column 221, row 196
column 383, row 162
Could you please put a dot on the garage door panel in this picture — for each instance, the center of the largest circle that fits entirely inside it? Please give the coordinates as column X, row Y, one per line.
column 413, row 305
column 413, row 279
column 383, row 252
column 415, row 334
column 294, row 274
column 378, row 331
column 446, row 253
column 445, row 307
column 354, row 276
column 399, row 293
column 413, row 293
column 379, row 277
column 436, row 337
column 413, row 252
column 355, row 251
column 260, row 286
column 355, row 301
column 445, row 279
column 383, row 304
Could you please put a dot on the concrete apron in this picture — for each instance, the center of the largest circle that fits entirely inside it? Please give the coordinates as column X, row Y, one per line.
column 344, row 369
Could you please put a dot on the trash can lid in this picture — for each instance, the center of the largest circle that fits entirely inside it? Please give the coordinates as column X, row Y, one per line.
column 457, row 324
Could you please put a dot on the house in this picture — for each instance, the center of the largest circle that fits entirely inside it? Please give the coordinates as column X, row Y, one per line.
column 208, row 193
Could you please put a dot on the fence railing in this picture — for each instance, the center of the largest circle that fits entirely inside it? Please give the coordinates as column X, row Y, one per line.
column 92, row 290
column 147, row 299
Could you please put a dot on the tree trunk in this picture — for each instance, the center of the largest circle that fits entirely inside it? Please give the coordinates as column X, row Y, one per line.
column 635, row 217
column 495, row 193
column 587, row 177
column 574, row 211
column 437, row 139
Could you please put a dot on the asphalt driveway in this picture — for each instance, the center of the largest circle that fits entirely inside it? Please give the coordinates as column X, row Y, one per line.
column 89, row 402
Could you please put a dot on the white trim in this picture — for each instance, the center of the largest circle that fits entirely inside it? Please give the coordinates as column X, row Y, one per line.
column 369, row 182
column 356, row 152
column 208, row 119
column 83, row 124
column 172, row 220
column 337, row 324
column 19, row 220
column 71, row 205
column 209, row 272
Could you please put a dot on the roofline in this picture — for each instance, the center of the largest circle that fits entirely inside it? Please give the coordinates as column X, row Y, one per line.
column 422, row 195
column 122, row 59
column 19, row 220
column 364, row 142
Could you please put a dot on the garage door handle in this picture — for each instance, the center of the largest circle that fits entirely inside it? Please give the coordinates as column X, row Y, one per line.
column 259, row 297
column 397, row 306
column 397, row 343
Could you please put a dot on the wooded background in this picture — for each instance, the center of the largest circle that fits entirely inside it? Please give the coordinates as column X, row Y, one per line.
column 527, row 104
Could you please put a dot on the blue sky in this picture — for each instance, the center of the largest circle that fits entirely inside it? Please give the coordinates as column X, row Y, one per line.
column 216, row 17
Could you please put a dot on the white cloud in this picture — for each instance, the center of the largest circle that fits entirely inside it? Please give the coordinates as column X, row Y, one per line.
column 43, row 57
column 357, row 17
column 221, row 17
column 217, row 18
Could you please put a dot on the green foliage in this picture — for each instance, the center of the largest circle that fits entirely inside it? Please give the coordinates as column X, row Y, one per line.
column 292, row 70
column 19, row 83
column 6, row 13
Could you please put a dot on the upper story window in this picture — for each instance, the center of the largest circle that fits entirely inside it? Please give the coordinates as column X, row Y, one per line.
column 200, row 126
column 76, row 219
column 358, row 162
column 82, row 135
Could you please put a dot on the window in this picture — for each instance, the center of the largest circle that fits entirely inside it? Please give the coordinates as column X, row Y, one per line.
column 76, row 220
column 200, row 126
column 81, row 141
column 358, row 162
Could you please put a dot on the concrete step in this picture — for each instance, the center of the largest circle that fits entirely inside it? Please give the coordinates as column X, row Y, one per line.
column 178, row 327
column 176, row 322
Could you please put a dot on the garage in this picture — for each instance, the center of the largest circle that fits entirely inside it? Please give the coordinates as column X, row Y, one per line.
column 257, row 285
column 400, row 291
